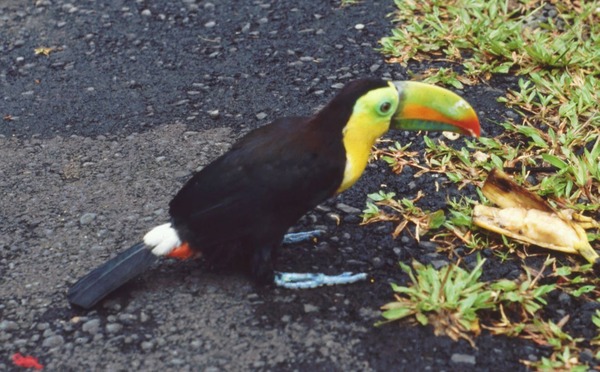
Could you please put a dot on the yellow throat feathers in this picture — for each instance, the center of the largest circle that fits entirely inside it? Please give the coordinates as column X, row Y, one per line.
column 365, row 126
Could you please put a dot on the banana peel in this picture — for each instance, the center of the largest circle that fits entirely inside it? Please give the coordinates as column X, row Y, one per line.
column 528, row 218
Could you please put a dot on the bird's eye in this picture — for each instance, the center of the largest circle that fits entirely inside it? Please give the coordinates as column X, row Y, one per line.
column 385, row 107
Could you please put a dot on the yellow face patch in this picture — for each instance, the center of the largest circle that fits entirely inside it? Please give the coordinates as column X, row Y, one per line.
column 370, row 119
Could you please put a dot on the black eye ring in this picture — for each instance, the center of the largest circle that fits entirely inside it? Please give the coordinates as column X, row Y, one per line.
column 385, row 107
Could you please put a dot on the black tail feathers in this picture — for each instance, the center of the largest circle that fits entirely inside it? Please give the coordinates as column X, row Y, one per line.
column 99, row 283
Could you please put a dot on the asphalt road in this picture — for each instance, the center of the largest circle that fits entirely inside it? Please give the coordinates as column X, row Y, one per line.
column 98, row 135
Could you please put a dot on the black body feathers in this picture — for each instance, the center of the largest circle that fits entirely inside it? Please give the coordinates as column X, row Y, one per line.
column 237, row 209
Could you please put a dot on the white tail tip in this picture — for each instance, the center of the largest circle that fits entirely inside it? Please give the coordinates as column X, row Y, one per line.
column 162, row 239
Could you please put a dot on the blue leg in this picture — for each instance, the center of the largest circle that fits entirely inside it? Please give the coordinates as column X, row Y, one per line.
column 302, row 236
column 314, row 280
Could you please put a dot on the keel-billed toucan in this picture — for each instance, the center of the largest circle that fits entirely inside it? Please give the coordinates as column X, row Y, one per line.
column 236, row 211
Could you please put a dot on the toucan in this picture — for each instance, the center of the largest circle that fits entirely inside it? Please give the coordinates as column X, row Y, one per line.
column 235, row 212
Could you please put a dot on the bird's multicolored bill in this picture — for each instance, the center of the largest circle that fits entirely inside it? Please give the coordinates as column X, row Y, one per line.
column 431, row 108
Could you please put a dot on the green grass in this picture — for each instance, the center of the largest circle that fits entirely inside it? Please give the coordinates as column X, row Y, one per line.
column 558, row 92
column 555, row 142
column 449, row 299
column 452, row 300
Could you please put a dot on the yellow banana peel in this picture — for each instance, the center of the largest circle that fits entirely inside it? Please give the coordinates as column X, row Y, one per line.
column 505, row 193
column 527, row 218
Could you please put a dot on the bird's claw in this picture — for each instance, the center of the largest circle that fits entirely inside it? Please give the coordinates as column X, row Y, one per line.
column 314, row 280
column 303, row 236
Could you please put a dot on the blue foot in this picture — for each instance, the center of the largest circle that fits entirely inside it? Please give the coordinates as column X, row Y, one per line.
column 302, row 236
column 314, row 280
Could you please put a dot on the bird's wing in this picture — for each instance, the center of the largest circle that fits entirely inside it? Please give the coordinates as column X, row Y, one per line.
column 266, row 181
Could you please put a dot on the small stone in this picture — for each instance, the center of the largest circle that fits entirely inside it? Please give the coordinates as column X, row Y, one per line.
column 586, row 356
column 20, row 342
column 323, row 208
column 160, row 341
column 377, row 262
column 147, row 345
column 368, row 313
column 53, row 341
column 127, row 318
column 81, row 340
column 359, row 26
column 402, row 254
column 177, row 361
column 5, row 336
column 374, row 67
column 258, row 364
column 308, row 308
column 113, row 328
column 348, row 209
column 144, row 317
column 146, row 13
column 210, row 24
column 40, row 326
column 91, row 326
column 87, row 218
column 261, row 115
column 322, row 247
column 8, row 325
column 438, row 264
column 462, row 358
column 564, row 298
column 47, row 333
column 429, row 246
